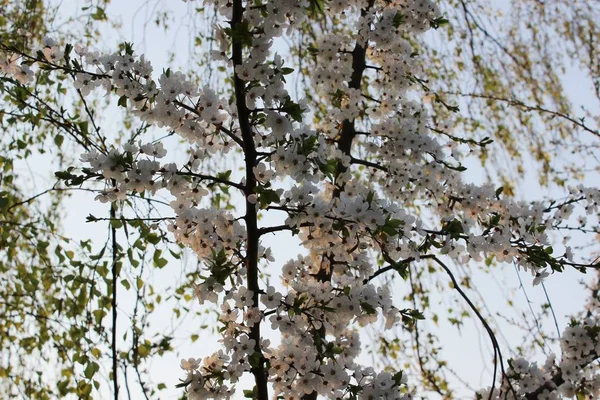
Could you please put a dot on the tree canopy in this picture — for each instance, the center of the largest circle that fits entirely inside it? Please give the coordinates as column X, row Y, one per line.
column 307, row 181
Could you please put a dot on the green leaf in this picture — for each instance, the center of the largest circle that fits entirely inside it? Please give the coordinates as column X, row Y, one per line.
column 438, row 22
column 98, row 315
column 99, row 14
column 91, row 369
column 267, row 197
column 292, row 109
column 153, row 238
column 316, row 8
column 397, row 378
column 402, row 269
column 59, row 139
column 416, row 314
column 3, row 202
column 250, row 394
column 128, row 48
column 68, row 49
column 158, row 260
column 143, row 350
column 398, row 19
column 84, row 127
column 454, row 228
column 368, row 308
column 499, row 192
column 90, row 218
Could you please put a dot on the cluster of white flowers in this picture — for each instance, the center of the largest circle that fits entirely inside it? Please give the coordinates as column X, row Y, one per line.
column 341, row 219
column 172, row 102
column 10, row 66
column 19, row 68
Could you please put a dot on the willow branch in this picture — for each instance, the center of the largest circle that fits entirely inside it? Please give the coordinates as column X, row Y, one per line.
column 527, row 107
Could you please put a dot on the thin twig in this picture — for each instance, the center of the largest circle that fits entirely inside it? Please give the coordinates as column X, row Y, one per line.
column 551, row 310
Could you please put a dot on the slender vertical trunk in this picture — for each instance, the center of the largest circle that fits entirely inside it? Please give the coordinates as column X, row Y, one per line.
column 257, row 360
column 115, row 276
column 347, row 135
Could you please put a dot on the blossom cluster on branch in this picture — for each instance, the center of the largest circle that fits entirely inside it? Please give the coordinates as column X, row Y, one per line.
column 346, row 185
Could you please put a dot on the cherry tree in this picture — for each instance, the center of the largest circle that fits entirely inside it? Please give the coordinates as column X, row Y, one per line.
column 356, row 170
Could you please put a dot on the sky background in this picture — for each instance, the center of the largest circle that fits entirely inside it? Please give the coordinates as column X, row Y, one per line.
column 467, row 350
